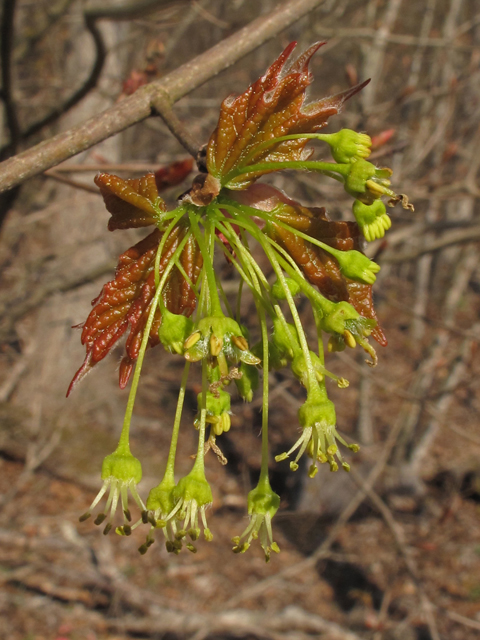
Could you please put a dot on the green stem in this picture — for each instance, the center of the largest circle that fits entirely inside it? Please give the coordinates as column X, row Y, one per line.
column 321, row 352
column 216, row 308
column 270, row 217
column 162, row 244
column 124, row 436
column 170, row 468
column 312, row 294
column 263, row 325
column 200, row 458
column 246, row 257
column 328, row 168
column 312, row 380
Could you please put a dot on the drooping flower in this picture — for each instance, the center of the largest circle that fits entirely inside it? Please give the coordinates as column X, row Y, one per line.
column 121, row 473
column 319, row 437
column 263, row 504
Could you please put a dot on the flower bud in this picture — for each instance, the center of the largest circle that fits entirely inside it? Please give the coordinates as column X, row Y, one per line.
column 285, row 338
column 372, row 219
column 174, row 330
column 348, row 146
column 356, row 266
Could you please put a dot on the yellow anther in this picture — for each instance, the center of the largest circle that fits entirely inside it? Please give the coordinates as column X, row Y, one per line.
column 216, row 345
column 349, row 339
column 192, row 340
column 240, row 343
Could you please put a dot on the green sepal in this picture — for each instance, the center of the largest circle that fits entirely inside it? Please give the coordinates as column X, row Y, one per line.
column 122, row 465
column 262, row 499
column 161, row 497
column 174, row 330
column 356, row 266
column 348, row 146
column 339, row 312
column 215, row 405
column 194, row 486
column 285, row 338
column 360, row 172
column 300, row 370
column 311, row 413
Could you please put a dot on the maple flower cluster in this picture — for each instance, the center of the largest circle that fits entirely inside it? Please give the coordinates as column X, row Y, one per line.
column 166, row 291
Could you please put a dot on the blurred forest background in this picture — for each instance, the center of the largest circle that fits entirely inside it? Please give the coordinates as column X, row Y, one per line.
column 388, row 552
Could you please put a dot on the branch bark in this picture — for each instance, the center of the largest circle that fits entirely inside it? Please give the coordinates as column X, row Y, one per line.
column 139, row 106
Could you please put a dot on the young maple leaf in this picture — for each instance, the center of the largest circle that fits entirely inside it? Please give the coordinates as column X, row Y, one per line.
column 132, row 203
column 272, row 107
column 124, row 302
column 135, row 202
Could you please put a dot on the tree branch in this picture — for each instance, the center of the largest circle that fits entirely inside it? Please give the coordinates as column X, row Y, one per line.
column 138, row 107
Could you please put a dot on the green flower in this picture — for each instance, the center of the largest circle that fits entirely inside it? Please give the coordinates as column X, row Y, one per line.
column 285, row 339
column 121, row 472
column 160, row 503
column 218, row 411
column 174, row 330
column 263, row 504
column 318, row 438
column 365, row 182
column 354, row 264
column 372, row 219
column 348, row 146
column 220, row 337
column 278, row 291
column 192, row 496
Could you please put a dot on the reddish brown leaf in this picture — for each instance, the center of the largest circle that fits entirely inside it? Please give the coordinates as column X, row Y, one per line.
column 124, row 303
column 132, row 203
column 270, row 108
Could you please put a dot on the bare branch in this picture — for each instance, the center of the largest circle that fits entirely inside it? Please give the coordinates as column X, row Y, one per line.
column 138, row 107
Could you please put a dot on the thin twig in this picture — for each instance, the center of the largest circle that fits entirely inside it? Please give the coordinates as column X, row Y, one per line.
column 138, row 107
column 71, row 183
